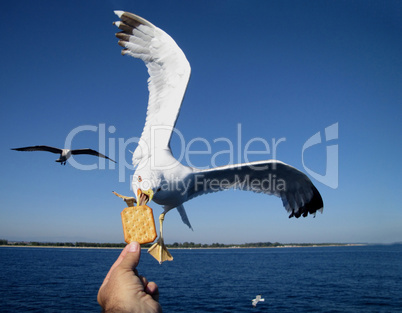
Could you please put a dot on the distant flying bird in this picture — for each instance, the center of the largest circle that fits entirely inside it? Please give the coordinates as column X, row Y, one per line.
column 256, row 300
column 64, row 153
column 162, row 178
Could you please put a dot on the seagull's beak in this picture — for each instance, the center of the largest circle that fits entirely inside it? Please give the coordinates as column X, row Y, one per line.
column 144, row 196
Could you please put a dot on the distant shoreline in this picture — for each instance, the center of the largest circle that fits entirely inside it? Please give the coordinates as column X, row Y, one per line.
column 199, row 248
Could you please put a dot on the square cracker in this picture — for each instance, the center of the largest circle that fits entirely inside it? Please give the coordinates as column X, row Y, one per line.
column 138, row 224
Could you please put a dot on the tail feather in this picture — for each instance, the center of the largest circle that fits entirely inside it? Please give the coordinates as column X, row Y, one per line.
column 183, row 216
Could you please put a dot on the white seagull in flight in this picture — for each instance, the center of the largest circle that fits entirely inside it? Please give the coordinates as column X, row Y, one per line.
column 64, row 153
column 163, row 179
column 257, row 299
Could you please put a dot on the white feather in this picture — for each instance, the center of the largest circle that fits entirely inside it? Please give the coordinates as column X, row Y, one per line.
column 169, row 73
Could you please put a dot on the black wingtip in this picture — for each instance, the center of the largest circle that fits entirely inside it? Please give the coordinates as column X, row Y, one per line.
column 315, row 204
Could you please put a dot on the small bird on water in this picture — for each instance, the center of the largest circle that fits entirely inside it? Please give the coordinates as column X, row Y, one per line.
column 64, row 153
column 256, row 300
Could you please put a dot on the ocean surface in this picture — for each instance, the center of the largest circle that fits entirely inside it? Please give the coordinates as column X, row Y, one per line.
column 316, row 279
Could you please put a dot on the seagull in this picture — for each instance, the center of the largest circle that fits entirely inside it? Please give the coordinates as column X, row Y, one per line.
column 256, row 300
column 158, row 175
column 64, row 153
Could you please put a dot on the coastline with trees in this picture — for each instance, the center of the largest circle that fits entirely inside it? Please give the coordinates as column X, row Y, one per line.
column 175, row 245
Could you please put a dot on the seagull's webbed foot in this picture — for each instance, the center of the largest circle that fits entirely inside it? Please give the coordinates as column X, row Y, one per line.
column 158, row 250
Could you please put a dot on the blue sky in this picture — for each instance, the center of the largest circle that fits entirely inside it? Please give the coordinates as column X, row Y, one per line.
column 279, row 69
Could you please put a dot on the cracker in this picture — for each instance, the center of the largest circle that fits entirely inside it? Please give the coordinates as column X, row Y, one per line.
column 138, row 224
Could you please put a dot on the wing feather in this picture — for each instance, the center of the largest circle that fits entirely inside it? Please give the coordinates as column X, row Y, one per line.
column 39, row 148
column 169, row 73
column 299, row 195
column 90, row 152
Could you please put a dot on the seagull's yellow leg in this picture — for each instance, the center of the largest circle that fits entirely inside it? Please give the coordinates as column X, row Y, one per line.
column 158, row 250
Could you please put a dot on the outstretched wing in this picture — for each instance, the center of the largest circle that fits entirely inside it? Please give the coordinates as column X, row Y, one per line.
column 91, row 152
column 272, row 177
column 169, row 73
column 39, row 148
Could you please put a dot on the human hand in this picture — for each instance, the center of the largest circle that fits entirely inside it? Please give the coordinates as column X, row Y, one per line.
column 123, row 290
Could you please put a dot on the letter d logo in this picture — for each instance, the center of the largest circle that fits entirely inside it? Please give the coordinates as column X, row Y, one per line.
column 331, row 176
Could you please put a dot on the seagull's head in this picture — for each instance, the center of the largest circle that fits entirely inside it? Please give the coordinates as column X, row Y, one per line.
column 145, row 185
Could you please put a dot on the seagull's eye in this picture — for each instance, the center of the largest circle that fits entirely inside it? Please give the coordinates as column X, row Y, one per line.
column 159, row 189
column 139, row 179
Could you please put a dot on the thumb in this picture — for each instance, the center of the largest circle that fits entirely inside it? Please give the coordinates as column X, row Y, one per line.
column 132, row 256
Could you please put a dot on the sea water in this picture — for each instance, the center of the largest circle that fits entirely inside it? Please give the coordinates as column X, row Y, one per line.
column 313, row 279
